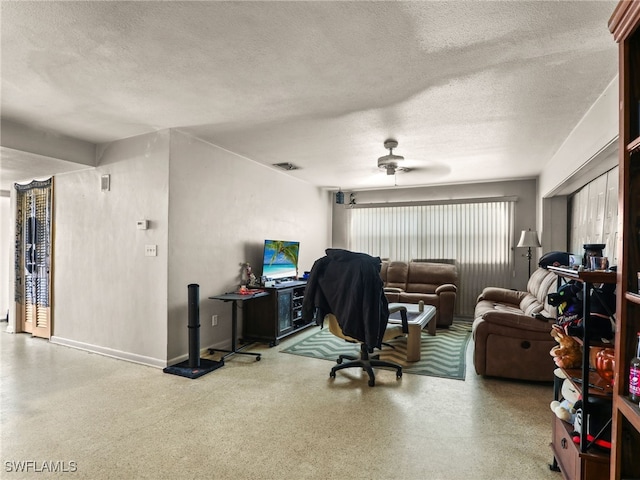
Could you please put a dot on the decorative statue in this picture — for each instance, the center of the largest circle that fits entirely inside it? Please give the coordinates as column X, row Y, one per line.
column 248, row 278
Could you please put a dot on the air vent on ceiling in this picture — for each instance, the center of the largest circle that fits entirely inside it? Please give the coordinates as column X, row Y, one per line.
column 286, row 166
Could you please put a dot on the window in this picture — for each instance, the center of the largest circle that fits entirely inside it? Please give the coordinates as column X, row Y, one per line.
column 478, row 235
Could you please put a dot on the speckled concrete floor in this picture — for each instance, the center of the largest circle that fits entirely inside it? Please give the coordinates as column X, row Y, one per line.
column 94, row 417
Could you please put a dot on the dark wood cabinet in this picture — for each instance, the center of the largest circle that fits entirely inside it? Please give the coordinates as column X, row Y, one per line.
column 270, row 319
column 572, row 462
column 625, row 458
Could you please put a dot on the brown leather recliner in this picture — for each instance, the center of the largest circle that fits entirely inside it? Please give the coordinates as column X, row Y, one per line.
column 433, row 283
column 512, row 329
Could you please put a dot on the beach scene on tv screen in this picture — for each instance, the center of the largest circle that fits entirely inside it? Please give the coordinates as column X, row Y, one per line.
column 280, row 259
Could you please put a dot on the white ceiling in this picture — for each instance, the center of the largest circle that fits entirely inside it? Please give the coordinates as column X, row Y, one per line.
column 472, row 90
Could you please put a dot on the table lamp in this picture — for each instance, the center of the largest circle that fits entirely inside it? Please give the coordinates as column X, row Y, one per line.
column 529, row 239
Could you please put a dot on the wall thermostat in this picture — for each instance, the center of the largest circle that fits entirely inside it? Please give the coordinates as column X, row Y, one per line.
column 142, row 224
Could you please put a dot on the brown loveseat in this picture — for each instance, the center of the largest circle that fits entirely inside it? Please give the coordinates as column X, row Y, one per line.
column 512, row 329
column 433, row 283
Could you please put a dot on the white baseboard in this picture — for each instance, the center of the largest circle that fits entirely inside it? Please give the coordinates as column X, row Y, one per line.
column 128, row 356
column 110, row 352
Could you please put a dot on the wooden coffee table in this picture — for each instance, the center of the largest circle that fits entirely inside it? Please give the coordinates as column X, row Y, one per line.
column 417, row 321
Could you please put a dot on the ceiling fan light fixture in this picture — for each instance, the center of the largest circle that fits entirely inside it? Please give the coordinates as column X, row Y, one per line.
column 390, row 162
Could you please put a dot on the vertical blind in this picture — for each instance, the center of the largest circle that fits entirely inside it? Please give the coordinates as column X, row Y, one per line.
column 477, row 235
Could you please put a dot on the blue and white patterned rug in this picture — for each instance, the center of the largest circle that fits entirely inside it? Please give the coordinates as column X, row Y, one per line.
column 441, row 356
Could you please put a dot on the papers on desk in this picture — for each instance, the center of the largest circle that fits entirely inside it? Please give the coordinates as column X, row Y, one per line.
column 248, row 291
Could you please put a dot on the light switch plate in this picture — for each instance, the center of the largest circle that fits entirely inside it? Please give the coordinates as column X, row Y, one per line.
column 150, row 250
column 105, row 183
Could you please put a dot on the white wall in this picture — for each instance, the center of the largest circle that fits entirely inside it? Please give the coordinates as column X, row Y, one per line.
column 588, row 152
column 588, row 142
column 53, row 147
column 525, row 215
column 108, row 296
column 221, row 209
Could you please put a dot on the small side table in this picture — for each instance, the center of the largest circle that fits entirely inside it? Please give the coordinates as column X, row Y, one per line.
column 235, row 298
column 417, row 321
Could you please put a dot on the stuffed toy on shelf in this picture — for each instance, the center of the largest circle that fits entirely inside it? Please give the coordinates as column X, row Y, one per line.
column 567, row 354
column 564, row 408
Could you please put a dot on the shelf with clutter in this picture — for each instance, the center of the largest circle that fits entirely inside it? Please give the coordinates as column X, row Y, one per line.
column 583, row 389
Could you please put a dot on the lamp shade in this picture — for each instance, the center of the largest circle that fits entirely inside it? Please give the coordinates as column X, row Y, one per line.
column 529, row 239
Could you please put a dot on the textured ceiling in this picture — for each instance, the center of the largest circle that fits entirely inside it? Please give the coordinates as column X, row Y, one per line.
column 472, row 90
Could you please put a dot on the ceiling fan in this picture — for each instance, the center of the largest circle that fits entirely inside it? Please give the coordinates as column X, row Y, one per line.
column 389, row 163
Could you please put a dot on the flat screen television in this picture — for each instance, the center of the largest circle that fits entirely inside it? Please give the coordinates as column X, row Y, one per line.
column 280, row 259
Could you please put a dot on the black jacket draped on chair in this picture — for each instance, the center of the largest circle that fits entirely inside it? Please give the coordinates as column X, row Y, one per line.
column 348, row 285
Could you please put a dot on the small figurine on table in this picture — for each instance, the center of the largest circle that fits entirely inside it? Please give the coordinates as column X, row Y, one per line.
column 249, row 278
column 253, row 282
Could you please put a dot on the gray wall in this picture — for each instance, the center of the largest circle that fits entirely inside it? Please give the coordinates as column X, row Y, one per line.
column 108, row 296
column 221, row 209
column 209, row 211
column 525, row 215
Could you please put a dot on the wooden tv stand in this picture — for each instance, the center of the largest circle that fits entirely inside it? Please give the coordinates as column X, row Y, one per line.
column 271, row 318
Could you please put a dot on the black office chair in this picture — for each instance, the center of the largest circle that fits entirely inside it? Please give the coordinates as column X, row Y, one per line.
column 346, row 289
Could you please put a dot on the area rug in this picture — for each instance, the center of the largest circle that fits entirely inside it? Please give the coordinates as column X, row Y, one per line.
column 441, row 356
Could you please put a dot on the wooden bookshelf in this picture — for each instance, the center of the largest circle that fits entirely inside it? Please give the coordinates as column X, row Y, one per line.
column 625, row 460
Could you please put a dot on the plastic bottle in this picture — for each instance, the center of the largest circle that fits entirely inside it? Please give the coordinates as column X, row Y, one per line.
column 634, row 375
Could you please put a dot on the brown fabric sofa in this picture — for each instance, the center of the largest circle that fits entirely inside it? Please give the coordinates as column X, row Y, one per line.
column 433, row 283
column 510, row 341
